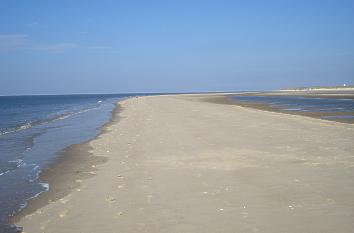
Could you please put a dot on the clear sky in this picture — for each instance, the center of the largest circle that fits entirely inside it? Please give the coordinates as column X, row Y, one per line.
column 55, row 47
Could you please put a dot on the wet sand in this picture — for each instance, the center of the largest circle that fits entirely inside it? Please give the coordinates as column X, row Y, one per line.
column 333, row 94
column 186, row 164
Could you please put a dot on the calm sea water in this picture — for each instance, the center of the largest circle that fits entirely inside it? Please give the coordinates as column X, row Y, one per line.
column 305, row 104
column 33, row 129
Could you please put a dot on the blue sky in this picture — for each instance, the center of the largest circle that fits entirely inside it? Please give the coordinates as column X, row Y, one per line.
column 56, row 47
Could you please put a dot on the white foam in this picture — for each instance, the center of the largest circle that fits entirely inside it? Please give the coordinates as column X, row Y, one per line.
column 19, row 162
column 45, row 185
column 3, row 173
column 293, row 109
column 32, row 124
column 37, row 170
column 13, row 130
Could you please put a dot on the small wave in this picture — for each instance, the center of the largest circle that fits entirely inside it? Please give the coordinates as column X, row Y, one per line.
column 339, row 117
column 16, row 129
column 46, row 189
column 3, row 173
column 14, row 164
column 25, row 126
column 18, row 162
column 31, row 124
column 293, row 109
column 326, row 109
column 45, row 186
column 34, row 174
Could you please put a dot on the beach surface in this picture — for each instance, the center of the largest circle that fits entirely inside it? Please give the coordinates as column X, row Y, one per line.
column 194, row 163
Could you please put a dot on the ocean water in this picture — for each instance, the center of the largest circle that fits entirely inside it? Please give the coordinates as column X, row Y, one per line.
column 327, row 108
column 33, row 130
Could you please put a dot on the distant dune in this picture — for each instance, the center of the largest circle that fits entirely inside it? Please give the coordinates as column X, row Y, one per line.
column 320, row 88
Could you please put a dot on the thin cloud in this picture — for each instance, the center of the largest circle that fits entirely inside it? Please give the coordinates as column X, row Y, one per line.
column 24, row 42
column 13, row 41
column 96, row 47
column 59, row 47
column 33, row 23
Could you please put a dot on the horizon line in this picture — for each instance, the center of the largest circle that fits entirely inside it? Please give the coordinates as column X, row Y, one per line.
column 127, row 93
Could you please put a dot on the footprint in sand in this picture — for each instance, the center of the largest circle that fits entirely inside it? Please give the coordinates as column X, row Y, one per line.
column 119, row 214
column 63, row 213
column 63, row 200
column 111, row 199
column 43, row 225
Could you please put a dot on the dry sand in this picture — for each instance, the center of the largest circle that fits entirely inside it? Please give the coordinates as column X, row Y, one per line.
column 178, row 164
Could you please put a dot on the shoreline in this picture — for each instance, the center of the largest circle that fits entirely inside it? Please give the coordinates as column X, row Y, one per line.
column 64, row 175
column 64, row 179
column 256, row 170
column 62, row 183
column 336, row 94
column 227, row 99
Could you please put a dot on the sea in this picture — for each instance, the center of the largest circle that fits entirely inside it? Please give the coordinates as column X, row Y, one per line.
column 33, row 131
column 326, row 108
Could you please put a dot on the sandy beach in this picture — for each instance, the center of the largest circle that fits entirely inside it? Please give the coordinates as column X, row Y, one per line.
column 193, row 163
